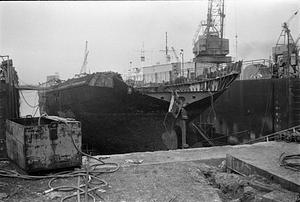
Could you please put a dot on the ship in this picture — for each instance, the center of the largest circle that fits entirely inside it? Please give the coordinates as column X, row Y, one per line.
column 153, row 110
column 263, row 100
column 119, row 118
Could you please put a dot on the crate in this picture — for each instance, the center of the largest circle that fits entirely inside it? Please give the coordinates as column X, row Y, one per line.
column 44, row 143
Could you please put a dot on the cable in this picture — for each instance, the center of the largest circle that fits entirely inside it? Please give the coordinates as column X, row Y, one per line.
column 39, row 120
column 36, row 110
column 32, row 106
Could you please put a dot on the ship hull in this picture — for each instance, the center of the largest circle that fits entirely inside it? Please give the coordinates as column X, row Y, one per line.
column 115, row 126
column 117, row 118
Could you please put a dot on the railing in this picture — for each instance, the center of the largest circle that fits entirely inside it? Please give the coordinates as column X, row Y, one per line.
column 290, row 135
column 30, row 87
column 266, row 62
column 186, row 75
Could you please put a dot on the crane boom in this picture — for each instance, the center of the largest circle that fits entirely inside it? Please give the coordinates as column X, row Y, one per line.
column 297, row 40
column 175, row 54
column 294, row 14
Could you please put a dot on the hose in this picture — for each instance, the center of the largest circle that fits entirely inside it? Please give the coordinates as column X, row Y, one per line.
column 285, row 161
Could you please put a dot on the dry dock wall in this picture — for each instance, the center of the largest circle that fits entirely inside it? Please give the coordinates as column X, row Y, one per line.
column 258, row 107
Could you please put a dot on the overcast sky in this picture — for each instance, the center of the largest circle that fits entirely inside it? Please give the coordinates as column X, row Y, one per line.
column 47, row 37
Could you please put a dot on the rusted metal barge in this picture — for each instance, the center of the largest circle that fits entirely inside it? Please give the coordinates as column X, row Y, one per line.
column 9, row 98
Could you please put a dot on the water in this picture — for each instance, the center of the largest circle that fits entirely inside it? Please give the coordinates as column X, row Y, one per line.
column 29, row 103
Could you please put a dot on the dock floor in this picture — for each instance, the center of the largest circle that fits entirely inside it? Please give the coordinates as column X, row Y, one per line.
column 164, row 175
column 172, row 176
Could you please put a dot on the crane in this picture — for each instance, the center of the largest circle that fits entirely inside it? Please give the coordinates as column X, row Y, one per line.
column 285, row 53
column 84, row 64
column 285, row 33
column 215, row 18
column 210, row 46
column 198, row 31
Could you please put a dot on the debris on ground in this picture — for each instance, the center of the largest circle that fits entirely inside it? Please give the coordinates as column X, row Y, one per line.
column 3, row 196
column 279, row 196
column 222, row 166
column 53, row 195
column 164, row 182
column 134, row 161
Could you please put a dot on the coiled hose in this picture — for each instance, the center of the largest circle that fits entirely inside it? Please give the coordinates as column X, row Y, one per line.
column 290, row 161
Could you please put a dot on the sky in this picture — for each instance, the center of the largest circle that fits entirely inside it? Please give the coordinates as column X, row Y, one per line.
column 47, row 37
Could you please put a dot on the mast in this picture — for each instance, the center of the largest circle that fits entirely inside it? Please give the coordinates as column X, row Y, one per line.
column 84, row 64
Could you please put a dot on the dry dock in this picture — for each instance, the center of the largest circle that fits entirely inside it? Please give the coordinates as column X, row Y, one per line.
column 179, row 175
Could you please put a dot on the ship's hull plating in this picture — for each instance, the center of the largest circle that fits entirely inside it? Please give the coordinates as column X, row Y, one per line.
column 116, row 118
column 113, row 123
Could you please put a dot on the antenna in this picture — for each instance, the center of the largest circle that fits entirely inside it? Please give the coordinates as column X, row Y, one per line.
column 168, row 57
column 236, row 46
column 236, row 35
column 166, row 50
column 143, row 53
column 166, row 43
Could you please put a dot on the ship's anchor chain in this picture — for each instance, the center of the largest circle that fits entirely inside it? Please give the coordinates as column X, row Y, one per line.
column 175, row 117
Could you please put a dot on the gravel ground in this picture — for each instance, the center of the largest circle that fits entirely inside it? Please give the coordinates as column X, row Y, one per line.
column 159, row 176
